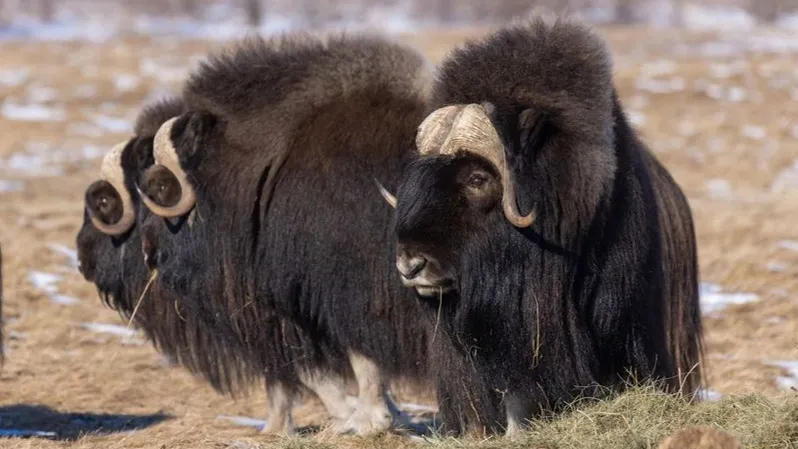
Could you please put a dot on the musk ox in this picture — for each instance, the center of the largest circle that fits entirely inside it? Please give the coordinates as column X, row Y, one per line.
column 110, row 256
column 263, row 193
column 557, row 251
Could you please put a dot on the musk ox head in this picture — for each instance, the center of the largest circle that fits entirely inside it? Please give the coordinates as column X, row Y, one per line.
column 521, row 144
column 108, row 242
column 459, row 184
column 174, row 202
column 110, row 216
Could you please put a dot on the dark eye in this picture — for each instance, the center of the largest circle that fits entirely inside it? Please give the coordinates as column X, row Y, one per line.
column 477, row 180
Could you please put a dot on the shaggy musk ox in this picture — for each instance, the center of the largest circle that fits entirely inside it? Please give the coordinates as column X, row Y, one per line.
column 110, row 255
column 263, row 193
column 557, row 251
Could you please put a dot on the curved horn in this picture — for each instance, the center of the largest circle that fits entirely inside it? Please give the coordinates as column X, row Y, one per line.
column 112, row 173
column 164, row 154
column 386, row 194
column 434, row 130
column 451, row 129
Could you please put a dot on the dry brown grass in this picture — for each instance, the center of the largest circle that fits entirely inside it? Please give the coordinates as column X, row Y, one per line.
column 56, row 365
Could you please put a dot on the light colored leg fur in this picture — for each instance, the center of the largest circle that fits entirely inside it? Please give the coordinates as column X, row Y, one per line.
column 330, row 388
column 375, row 410
column 281, row 401
column 517, row 412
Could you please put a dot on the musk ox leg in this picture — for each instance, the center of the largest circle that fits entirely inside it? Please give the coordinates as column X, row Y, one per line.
column 331, row 391
column 375, row 410
column 281, row 401
column 518, row 413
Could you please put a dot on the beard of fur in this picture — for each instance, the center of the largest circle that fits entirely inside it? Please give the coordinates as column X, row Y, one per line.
column 193, row 343
column 507, row 339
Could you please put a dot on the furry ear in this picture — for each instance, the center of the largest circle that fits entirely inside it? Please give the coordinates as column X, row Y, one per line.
column 190, row 132
column 531, row 131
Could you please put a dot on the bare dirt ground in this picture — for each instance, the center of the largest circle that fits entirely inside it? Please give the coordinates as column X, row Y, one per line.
column 718, row 109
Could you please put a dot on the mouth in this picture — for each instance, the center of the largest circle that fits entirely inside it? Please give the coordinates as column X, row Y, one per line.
column 430, row 289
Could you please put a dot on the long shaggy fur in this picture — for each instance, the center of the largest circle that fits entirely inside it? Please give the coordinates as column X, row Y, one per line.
column 282, row 142
column 604, row 285
column 116, row 266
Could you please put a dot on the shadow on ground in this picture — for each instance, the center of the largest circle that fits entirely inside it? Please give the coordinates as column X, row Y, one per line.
column 38, row 421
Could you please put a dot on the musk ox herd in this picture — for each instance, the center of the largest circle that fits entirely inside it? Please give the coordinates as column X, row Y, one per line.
column 315, row 213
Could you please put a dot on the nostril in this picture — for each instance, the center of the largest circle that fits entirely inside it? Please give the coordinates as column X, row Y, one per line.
column 411, row 267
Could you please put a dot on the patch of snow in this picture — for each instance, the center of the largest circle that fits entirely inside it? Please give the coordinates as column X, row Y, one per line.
column 71, row 254
column 126, row 83
column 18, row 336
column 791, row 245
column 717, row 17
column 790, row 381
column 113, row 124
column 48, row 283
column 89, row 30
column 41, row 159
column 719, row 188
column 774, row 320
column 661, row 67
column 714, row 91
column 26, row 433
column 788, row 21
column 736, row 94
column 709, row 395
column 656, row 86
column 636, row 118
column 40, row 94
column 64, row 300
column 244, row 421
column 33, row 112
column 721, row 70
column 754, row 132
column 777, row 267
column 713, row 299
column 84, row 129
column 114, row 329
column 14, row 77
column 44, row 281
column 11, row 186
column 787, row 179
column 90, row 152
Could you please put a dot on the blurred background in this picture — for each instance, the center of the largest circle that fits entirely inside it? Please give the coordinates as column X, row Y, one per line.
column 99, row 19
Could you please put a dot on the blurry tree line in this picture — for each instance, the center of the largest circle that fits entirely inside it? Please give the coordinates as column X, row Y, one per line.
column 318, row 12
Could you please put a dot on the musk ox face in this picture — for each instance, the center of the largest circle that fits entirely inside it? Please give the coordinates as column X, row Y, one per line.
column 446, row 203
column 454, row 196
column 109, row 225
column 169, row 237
